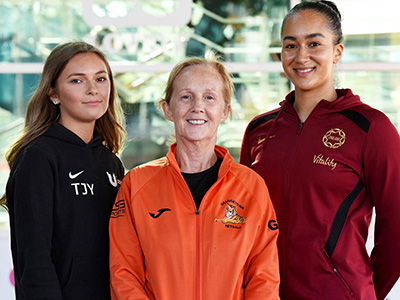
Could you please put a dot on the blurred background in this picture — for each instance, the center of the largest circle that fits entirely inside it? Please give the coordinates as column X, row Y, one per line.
column 144, row 39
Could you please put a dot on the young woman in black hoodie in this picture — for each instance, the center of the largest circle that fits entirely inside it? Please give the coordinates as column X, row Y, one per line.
column 64, row 178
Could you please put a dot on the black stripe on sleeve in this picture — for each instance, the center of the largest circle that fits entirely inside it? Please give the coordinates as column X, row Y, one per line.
column 357, row 118
column 340, row 218
column 262, row 120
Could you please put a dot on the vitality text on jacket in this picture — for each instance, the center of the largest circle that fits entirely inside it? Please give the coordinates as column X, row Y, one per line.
column 321, row 160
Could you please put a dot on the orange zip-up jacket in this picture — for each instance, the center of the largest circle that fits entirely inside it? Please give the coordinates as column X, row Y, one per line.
column 162, row 247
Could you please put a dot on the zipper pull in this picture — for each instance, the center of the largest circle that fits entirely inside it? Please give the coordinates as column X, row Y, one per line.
column 300, row 127
column 197, row 211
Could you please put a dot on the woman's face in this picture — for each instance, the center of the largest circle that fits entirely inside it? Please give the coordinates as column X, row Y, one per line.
column 83, row 90
column 308, row 51
column 197, row 106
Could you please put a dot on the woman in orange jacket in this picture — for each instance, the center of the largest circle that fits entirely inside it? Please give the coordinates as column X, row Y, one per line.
column 194, row 224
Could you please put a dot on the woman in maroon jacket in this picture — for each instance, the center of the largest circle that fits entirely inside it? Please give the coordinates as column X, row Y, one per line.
column 328, row 160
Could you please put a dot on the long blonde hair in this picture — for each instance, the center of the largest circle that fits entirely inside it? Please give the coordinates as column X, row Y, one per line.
column 41, row 113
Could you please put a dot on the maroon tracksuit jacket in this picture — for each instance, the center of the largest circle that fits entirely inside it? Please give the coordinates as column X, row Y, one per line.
column 325, row 176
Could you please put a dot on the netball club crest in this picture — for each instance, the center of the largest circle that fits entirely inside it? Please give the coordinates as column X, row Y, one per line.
column 232, row 219
column 334, row 138
column 137, row 16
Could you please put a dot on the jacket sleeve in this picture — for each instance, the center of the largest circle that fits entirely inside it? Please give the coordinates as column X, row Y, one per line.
column 245, row 158
column 31, row 190
column 126, row 256
column 262, row 267
column 382, row 176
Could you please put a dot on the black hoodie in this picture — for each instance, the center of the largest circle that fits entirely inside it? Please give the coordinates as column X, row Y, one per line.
column 60, row 193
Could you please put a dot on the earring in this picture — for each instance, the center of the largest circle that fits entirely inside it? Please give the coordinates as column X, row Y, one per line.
column 55, row 102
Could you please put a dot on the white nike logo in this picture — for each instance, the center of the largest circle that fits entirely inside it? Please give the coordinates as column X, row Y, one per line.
column 73, row 176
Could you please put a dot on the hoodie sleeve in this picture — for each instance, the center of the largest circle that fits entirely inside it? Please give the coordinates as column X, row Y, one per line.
column 30, row 195
column 127, row 273
column 262, row 268
column 382, row 175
